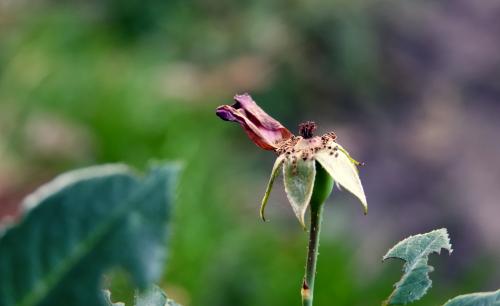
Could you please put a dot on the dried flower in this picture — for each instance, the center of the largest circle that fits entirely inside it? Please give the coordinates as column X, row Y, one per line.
column 264, row 130
column 299, row 156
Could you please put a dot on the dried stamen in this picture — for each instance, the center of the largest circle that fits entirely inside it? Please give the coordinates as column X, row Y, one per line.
column 307, row 129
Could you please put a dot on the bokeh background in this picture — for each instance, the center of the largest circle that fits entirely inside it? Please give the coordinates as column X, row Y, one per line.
column 411, row 87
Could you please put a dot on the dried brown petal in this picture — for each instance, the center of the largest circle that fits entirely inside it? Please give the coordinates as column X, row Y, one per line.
column 263, row 130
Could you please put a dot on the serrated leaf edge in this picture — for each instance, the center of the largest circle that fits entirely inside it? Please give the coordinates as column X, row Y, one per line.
column 450, row 250
column 431, row 268
column 497, row 292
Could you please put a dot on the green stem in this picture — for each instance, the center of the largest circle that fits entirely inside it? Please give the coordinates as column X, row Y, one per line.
column 312, row 255
column 323, row 186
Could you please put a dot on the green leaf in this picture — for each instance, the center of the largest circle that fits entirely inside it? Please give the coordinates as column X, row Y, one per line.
column 171, row 302
column 299, row 176
column 476, row 299
column 79, row 226
column 343, row 170
column 415, row 250
column 274, row 174
column 153, row 296
column 107, row 298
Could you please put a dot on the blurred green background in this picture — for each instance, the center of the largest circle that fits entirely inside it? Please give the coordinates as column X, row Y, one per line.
column 410, row 87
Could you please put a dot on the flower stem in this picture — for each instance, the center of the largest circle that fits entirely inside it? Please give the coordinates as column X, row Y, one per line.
column 323, row 187
column 307, row 291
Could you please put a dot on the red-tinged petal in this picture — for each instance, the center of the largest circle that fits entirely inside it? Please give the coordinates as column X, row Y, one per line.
column 263, row 130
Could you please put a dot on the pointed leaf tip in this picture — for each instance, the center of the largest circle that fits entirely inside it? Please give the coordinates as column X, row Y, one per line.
column 299, row 176
column 340, row 166
column 274, row 174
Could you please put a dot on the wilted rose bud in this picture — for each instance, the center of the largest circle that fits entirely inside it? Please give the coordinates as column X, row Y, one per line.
column 265, row 131
column 303, row 158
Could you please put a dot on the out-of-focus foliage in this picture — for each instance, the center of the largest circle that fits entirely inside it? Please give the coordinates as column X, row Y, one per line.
column 153, row 296
column 108, row 301
column 476, row 299
column 415, row 251
column 81, row 225
column 402, row 83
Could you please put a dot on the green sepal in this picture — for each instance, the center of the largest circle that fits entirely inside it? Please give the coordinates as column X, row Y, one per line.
column 323, row 186
column 299, row 176
column 343, row 170
column 274, row 174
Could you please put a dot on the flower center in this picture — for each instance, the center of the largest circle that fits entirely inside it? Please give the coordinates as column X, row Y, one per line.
column 307, row 129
